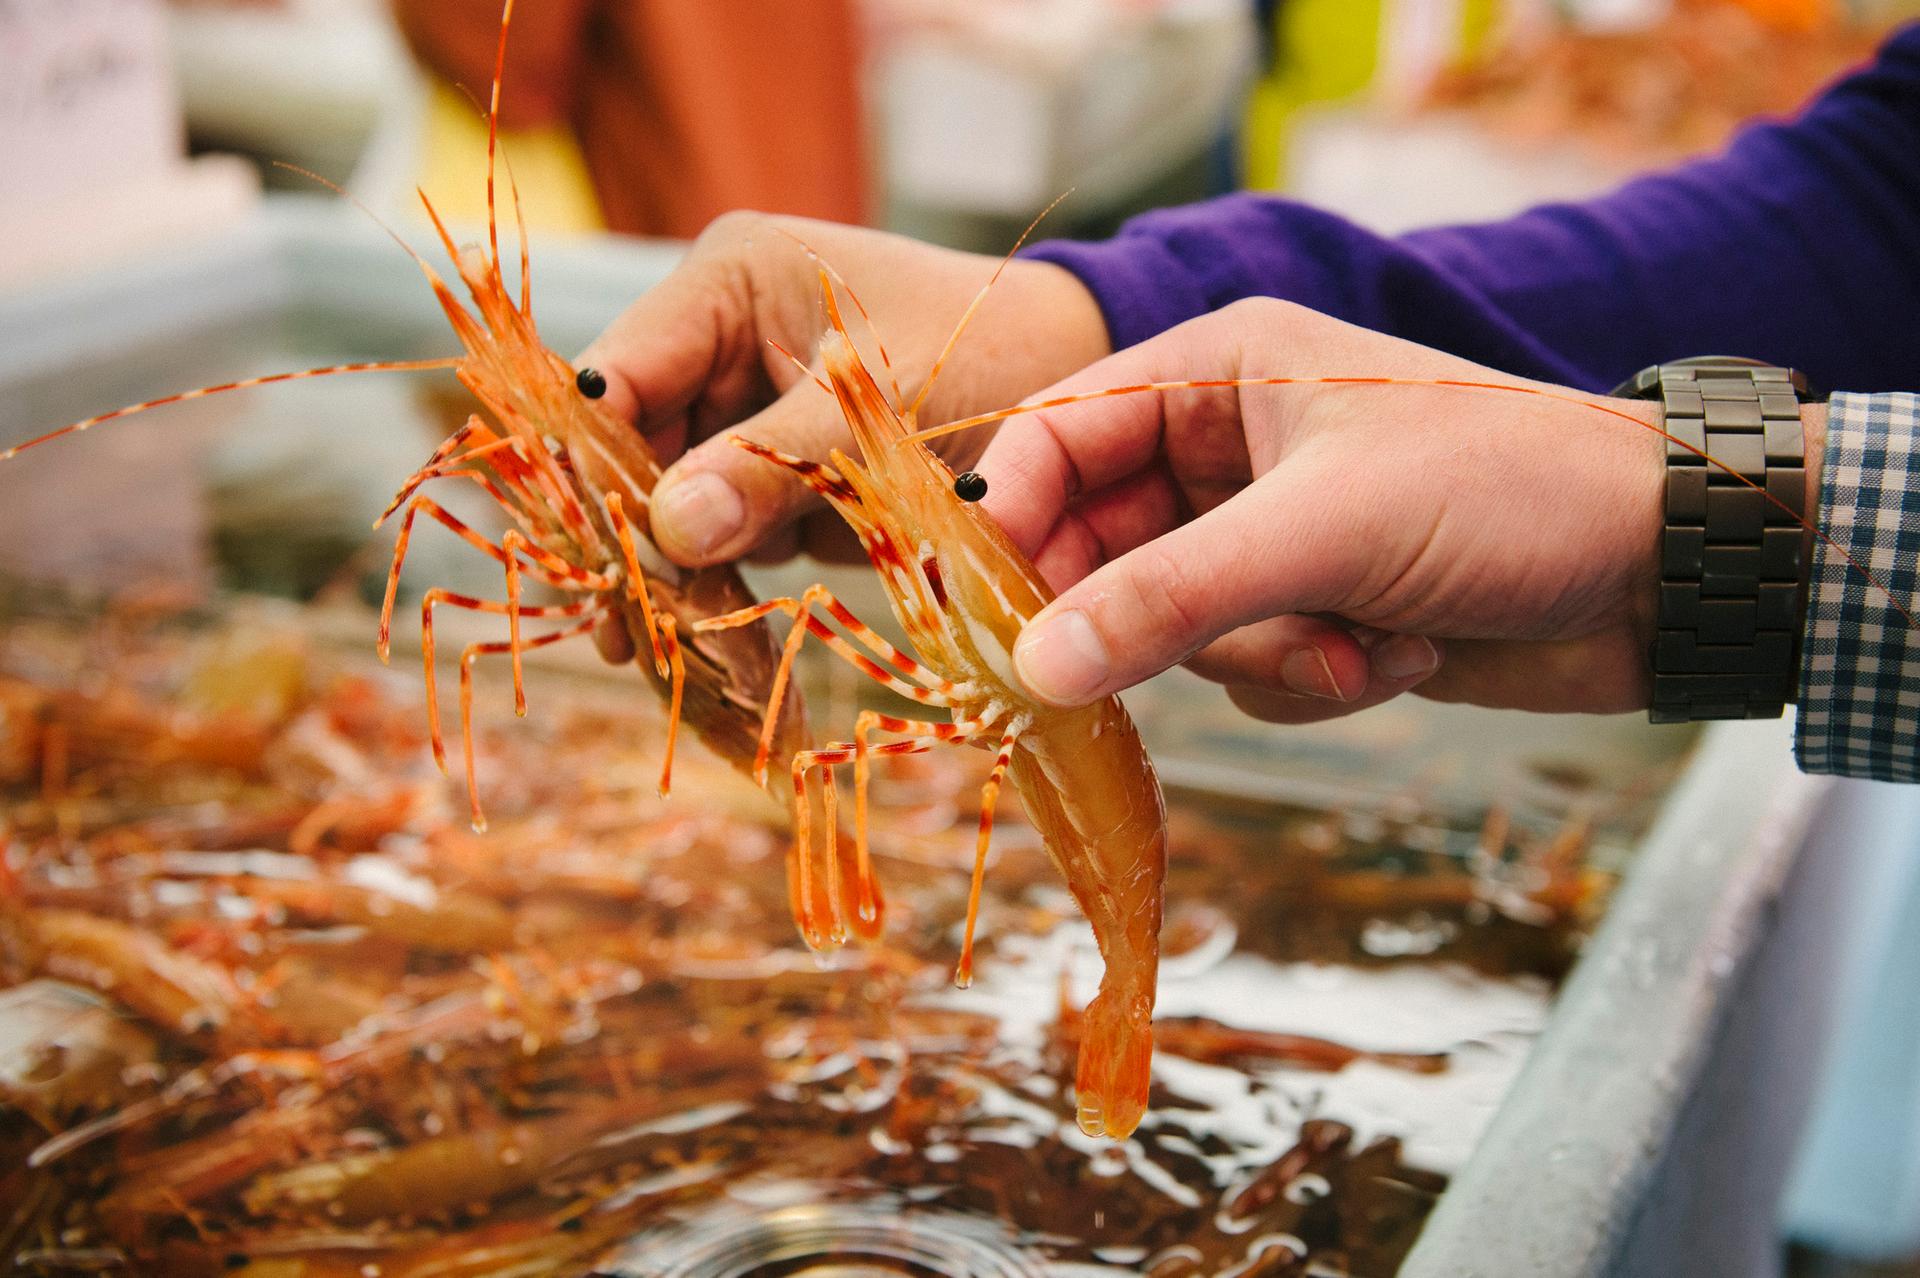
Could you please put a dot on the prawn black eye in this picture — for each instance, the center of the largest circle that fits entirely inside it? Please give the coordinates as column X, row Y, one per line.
column 592, row 382
column 971, row 486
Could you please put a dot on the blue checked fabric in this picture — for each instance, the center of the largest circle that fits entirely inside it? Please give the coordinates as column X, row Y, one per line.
column 1860, row 659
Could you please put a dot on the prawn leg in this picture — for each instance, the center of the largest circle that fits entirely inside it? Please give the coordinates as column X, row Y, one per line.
column 800, row 869
column 473, row 653
column 438, row 596
column 636, row 578
column 989, row 793
column 927, row 734
column 933, row 691
column 562, row 577
column 677, row 681
column 663, row 631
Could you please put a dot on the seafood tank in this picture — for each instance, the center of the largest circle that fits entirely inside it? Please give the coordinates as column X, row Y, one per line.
column 274, row 1009
column 268, row 1006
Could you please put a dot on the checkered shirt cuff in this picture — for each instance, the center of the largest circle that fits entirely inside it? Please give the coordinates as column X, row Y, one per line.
column 1860, row 659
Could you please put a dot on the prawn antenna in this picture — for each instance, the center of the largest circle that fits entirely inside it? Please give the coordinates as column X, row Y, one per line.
column 873, row 329
column 967, row 316
column 798, row 363
column 389, row 366
column 493, row 126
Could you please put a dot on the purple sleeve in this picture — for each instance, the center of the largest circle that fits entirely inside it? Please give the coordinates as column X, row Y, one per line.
column 1800, row 245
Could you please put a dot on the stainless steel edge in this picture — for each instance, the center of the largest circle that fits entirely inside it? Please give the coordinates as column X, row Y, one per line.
column 1553, row 1185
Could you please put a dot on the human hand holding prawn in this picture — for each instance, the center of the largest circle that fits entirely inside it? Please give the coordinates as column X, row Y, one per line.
column 694, row 362
column 1323, row 548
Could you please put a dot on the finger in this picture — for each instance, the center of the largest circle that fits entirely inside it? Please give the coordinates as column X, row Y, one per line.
column 1296, row 541
column 1040, row 462
column 1289, row 708
column 1305, row 670
column 658, row 355
column 719, row 501
column 1106, row 525
column 1305, row 656
column 1283, row 705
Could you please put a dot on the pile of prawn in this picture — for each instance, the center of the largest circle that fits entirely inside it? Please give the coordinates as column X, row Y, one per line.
column 270, row 1008
column 274, row 1010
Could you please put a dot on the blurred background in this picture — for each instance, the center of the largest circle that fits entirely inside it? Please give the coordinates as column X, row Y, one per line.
column 149, row 240
column 952, row 122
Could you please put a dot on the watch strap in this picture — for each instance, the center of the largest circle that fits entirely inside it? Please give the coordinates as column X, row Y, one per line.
column 1730, row 551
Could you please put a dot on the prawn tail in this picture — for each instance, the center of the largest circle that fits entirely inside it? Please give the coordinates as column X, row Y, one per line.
column 1116, row 1061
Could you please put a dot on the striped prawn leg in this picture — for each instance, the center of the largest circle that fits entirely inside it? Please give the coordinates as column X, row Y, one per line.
column 677, row 681
column 925, row 732
column 436, row 462
column 663, row 631
column 623, row 533
column 989, row 793
column 474, row 651
column 801, row 875
column 928, row 690
column 546, row 567
column 437, row 596
column 515, row 544
column 440, row 466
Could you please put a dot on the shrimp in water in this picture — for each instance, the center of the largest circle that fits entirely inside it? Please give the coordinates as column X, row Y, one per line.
column 575, row 483
column 962, row 591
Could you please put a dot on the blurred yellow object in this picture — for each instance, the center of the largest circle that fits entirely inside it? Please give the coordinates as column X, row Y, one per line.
column 1324, row 50
column 1332, row 50
column 554, row 188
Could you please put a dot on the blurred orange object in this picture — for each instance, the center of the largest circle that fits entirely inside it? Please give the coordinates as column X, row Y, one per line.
column 1659, row 94
column 682, row 110
column 1791, row 15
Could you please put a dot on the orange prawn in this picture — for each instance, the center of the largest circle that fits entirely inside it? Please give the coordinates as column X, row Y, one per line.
column 962, row 591
column 575, row 483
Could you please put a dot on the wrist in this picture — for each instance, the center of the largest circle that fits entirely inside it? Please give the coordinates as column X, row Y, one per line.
column 1813, row 429
column 1078, row 328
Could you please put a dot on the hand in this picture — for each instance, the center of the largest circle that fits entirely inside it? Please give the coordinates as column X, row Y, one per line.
column 1320, row 549
column 690, row 362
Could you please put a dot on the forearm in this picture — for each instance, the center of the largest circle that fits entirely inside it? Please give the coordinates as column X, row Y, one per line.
column 1795, row 247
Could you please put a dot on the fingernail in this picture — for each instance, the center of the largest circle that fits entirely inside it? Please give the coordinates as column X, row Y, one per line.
column 1406, row 657
column 1305, row 671
column 1062, row 660
column 702, row 513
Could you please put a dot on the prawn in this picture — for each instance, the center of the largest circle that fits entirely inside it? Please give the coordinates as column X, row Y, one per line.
column 575, row 483
column 962, row 592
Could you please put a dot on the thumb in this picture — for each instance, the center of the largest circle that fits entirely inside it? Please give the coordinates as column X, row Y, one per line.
column 719, row 501
column 1282, row 545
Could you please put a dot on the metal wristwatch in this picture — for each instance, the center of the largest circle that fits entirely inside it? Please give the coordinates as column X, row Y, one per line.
column 1728, row 623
